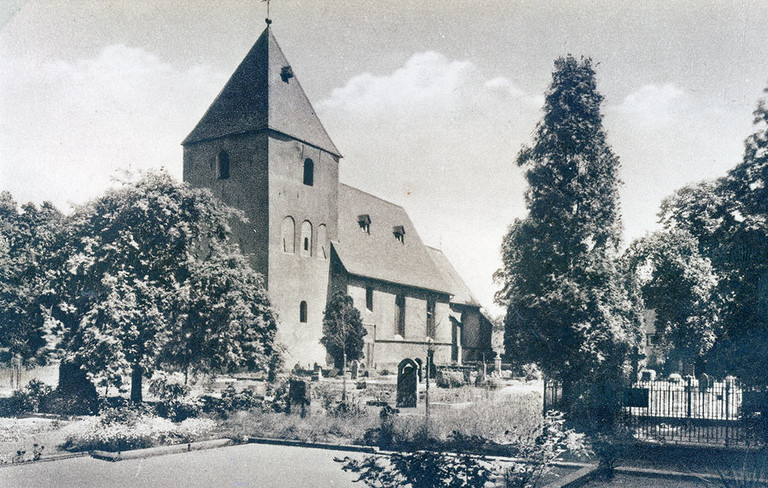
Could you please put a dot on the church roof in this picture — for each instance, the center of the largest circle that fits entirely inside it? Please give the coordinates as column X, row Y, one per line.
column 377, row 253
column 462, row 295
column 263, row 93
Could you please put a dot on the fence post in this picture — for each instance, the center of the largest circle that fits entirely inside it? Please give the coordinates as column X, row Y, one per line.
column 688, row 396
column 727, row 409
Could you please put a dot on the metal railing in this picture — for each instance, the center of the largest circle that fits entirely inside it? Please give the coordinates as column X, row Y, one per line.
column 723, row 413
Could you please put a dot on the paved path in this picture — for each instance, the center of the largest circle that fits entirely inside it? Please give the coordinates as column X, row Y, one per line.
column 251, row 465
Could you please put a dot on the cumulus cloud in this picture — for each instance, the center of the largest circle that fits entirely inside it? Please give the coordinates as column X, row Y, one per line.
column 668, row 137
column 68, row 128
column 652, row 100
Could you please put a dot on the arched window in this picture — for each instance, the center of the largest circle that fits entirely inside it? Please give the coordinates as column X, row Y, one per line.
column 431, row 326
column 288, row 235
column 322, row 245
column 400, row 315
column 303, row 312
column 306, row 238
column 222, row 165
column 309, row 172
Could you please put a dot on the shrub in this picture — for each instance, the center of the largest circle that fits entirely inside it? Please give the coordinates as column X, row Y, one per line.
column 179, row 410
column 748, row 470
column 539, row 449
column 531, row 372
column 610, row 447
column 316, row 428
column 231, row 401
column 124, row 429
column 421, row 469
column 168, row 387
column 60, row 404
column 27, row 400
column 235, row 401
column 449, row 379
column 37, row 396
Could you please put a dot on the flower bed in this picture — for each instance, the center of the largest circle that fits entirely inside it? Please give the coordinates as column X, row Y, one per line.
column 102, row 433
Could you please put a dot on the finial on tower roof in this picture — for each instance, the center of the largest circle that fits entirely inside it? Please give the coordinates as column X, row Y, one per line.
column 267, row 20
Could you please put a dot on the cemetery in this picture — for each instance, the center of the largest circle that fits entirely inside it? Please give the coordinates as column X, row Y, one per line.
column 269, row 301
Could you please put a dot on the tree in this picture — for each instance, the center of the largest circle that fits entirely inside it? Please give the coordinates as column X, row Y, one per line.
column 139, row 267
column 729, row 219
column 26, row 238
column 679, row 285
column 220, row 317
column 567, row 309
column 343, row 332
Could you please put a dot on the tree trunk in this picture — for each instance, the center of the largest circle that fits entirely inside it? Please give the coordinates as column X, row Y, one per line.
column 344, row 378
column 136, row 376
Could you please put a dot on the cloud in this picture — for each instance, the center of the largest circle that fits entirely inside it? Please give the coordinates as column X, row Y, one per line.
column 68, row 128
column 666, row 137
column 652, row 100
column 439, row 137
column 427, row 81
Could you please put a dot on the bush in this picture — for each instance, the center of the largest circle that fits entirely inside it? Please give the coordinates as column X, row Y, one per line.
column 449, row 379
column 60, row 404
column 168, row 387
column 531, row 372
column 747, row 469
column 314, row 428
column 29, row 399
column 132, row 428
column 539, row 449
column 421, row 469
column 231, row 401
column 179, row 410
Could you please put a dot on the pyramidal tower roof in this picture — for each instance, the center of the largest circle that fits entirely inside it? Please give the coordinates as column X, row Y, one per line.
column 263, row 93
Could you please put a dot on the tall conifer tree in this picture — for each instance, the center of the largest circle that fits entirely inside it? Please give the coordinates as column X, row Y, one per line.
column 567, row 310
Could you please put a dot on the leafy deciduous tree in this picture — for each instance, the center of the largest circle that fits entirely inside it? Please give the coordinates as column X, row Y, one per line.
column 729, row 219
column 26, row 238
column 678, row 284
column 139, row 267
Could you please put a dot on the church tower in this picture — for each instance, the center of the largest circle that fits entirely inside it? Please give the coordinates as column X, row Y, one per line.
column 261, row 148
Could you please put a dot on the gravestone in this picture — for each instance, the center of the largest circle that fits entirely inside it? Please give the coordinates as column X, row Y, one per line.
column 480, row 374
column 497, row 365
column 705, row 382
column 298, row 396
column 317, row 373
column 432, row 370
column 407, row 378
column 421, row 369
column 354, row 369
column 647, row 375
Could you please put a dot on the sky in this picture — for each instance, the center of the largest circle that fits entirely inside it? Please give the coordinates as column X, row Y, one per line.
column 429, row 102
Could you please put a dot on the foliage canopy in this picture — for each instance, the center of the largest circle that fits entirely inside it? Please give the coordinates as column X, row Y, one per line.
column 567, row 309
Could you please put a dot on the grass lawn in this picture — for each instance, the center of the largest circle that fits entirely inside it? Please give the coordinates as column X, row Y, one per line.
column 20, row 434
column 501, row 416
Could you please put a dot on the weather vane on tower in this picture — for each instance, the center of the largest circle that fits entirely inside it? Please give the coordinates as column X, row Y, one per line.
column 267, row 20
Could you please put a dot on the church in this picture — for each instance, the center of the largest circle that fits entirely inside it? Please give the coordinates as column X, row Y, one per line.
column 261, row 148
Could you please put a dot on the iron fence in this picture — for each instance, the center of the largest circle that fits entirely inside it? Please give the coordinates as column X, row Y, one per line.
column 723, row 413
column 689, row 411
